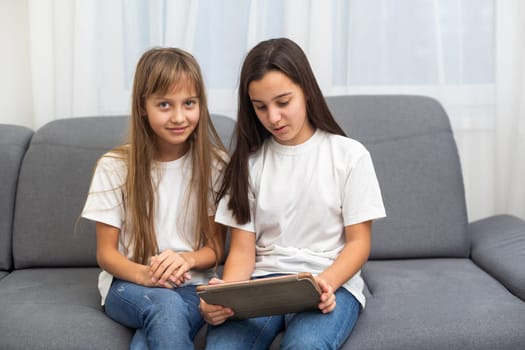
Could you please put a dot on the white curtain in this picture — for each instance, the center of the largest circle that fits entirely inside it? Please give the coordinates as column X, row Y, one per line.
column 509, row 166
column 468, row 54
column 83, row 51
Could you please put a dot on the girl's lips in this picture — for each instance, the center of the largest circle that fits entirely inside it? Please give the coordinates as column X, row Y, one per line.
column 177, row 130
column 280, row 129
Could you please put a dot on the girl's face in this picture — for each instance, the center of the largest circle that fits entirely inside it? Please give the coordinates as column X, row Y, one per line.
column 173, row 117
column 280, row 106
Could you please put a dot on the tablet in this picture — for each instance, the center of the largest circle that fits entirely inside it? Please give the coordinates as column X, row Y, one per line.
column 265, row 296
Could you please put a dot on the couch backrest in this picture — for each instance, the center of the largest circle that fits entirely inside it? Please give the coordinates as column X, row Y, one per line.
column 13, row 144
column 417, row 164
column 54, row 180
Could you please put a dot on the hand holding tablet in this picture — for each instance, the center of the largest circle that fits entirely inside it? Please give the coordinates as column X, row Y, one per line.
column 265, row 296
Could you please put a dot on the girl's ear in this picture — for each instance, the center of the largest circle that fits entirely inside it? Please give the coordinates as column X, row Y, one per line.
column 143, row 112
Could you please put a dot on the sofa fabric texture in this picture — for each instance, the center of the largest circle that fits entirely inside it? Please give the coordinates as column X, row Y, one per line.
column 498, row 247
column 434, row 280
column 418, row 168
column 13, row 144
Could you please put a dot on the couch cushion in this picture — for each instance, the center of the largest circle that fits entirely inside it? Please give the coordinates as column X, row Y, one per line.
column 53, row 184
column 417, row 164
column 56, row 309
column 498, row 247
column 436, row 304
column 224, row 127
column 13, row 144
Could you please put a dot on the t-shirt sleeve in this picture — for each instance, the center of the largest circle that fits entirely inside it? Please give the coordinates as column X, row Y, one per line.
column 104, row 201
column 362, row 200
column 225, row 216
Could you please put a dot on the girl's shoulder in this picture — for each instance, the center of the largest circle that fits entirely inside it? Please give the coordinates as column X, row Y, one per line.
column 345, row 143
column 110, row 172
column 115, row 159
column 344, row 149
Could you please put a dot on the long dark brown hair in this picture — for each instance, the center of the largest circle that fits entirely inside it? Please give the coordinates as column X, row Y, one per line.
column 281, row 55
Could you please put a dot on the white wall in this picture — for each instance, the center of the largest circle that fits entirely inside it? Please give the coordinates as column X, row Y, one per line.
column 15, row 68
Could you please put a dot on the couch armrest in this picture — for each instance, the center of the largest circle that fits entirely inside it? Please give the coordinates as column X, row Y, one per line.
column 498, row 247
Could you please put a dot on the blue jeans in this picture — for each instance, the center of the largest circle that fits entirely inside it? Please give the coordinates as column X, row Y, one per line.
column 303, row 330
column 165, row 318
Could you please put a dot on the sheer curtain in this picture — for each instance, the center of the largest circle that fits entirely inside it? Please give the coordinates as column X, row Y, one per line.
column 510, row 107
column 86, row 50
column 83, row 52
column 465, row 53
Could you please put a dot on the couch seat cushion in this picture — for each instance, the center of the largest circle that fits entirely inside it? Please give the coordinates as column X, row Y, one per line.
column 437, row 304
column 56, row 309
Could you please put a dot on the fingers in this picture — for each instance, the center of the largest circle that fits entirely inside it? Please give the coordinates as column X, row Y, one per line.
column 178, row 281
column 180, row 276
column 215, row 280
column 161, row 267
column 328, row 302
column 214, row 314
column 169, row 267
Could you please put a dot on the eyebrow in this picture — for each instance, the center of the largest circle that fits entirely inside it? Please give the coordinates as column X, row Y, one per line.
column 164, row 97
column 276, row 97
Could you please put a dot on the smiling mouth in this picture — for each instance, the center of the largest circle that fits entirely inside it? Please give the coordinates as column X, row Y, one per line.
column 176, row 130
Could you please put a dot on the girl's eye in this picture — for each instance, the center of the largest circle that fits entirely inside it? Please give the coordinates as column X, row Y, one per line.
column 164, row 105
column 282, row 103
column 260, row 108
column 190, row 103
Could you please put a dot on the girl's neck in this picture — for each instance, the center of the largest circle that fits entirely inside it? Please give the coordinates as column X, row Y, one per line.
column 172, row 153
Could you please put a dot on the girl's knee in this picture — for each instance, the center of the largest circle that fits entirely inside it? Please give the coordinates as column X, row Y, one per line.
column 167, row 304
column 308, row 341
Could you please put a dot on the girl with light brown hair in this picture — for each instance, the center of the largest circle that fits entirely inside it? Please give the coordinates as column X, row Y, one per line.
column 153, row 201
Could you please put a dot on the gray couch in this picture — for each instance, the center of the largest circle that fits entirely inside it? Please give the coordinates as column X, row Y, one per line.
column 434, row 280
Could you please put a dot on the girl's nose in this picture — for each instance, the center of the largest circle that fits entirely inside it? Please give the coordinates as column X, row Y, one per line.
column 274, row 115
column 177, row 116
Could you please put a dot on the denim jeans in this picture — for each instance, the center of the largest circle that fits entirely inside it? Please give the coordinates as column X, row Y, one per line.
column 303, row 330
column 165, row 318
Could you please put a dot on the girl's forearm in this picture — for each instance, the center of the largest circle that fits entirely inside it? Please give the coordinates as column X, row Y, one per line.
column 113, row 261
column 208, row 256
column 347, row 264
column 237, row 269
column 241, row 257
column 201, row 259
column 353, row 256
column 122, row 268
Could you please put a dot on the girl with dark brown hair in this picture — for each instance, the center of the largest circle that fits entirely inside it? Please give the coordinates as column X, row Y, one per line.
column 299, row 196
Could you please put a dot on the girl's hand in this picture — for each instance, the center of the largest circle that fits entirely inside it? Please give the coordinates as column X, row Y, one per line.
column 143, row 278
column 327, row 303
column 169, row 269
column 214, row 314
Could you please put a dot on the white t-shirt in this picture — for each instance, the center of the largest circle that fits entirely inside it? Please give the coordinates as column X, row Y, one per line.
column 174, row 209
column 301, row 198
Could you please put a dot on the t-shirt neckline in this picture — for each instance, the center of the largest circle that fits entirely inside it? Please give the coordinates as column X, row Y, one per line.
column 295, row 149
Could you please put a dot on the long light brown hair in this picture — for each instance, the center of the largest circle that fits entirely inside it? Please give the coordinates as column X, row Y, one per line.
column 158, row 71
column 285, row 56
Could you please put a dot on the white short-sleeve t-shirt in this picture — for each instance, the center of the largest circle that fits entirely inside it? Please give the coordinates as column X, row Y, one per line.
column 174, row 208
column 301, row 198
